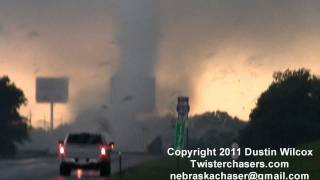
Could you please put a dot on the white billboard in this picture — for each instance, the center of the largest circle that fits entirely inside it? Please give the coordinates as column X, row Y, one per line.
column 52, row 89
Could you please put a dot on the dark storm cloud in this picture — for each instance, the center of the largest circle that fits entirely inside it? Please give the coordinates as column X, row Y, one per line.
column 205, row 26
column 186, row 35
column 3, row 32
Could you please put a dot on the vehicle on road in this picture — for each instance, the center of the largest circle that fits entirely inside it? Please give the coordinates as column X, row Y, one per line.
column 85, row 151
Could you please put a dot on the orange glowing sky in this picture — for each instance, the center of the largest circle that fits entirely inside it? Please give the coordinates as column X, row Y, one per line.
column 221, row 54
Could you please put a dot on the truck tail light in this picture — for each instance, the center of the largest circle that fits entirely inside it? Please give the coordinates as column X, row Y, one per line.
column 103, row 152
column 61, row 150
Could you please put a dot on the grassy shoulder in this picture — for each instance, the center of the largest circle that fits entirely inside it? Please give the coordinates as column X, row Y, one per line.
column 161, row 169
column 155, row 170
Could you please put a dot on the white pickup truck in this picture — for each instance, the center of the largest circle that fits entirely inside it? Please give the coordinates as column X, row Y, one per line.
column 85, row 151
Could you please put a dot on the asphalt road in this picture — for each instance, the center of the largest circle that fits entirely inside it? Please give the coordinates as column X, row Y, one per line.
column 48, row 168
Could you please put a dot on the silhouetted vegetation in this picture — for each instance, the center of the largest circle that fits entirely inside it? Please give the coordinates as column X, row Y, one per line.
column 214, row 129
column 287, row 113
column 13, row 128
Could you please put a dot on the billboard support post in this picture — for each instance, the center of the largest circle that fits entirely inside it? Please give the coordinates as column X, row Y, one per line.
column 51, row 115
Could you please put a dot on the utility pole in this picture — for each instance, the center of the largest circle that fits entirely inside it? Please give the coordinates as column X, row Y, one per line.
column 30, row 119
column 51, row 115
column 61, row 120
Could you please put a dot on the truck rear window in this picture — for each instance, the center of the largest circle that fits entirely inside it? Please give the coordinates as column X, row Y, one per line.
column 84, row 139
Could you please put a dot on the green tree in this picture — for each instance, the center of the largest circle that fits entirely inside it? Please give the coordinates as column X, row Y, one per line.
column 13, row 128
column 214, row 129
column 287, row 113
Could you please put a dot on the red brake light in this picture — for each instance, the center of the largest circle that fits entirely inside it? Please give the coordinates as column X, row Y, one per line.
column 103, row 151
column 61, row 150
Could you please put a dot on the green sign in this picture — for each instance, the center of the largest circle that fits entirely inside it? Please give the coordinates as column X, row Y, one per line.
column 180, row 134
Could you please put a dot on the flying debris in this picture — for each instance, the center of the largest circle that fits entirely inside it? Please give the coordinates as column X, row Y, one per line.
column 105, row 126
column 33, row 34
column 103, row 63
column 175, row 93
column 36, row 70
column 104, row 106
column 127, row 98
